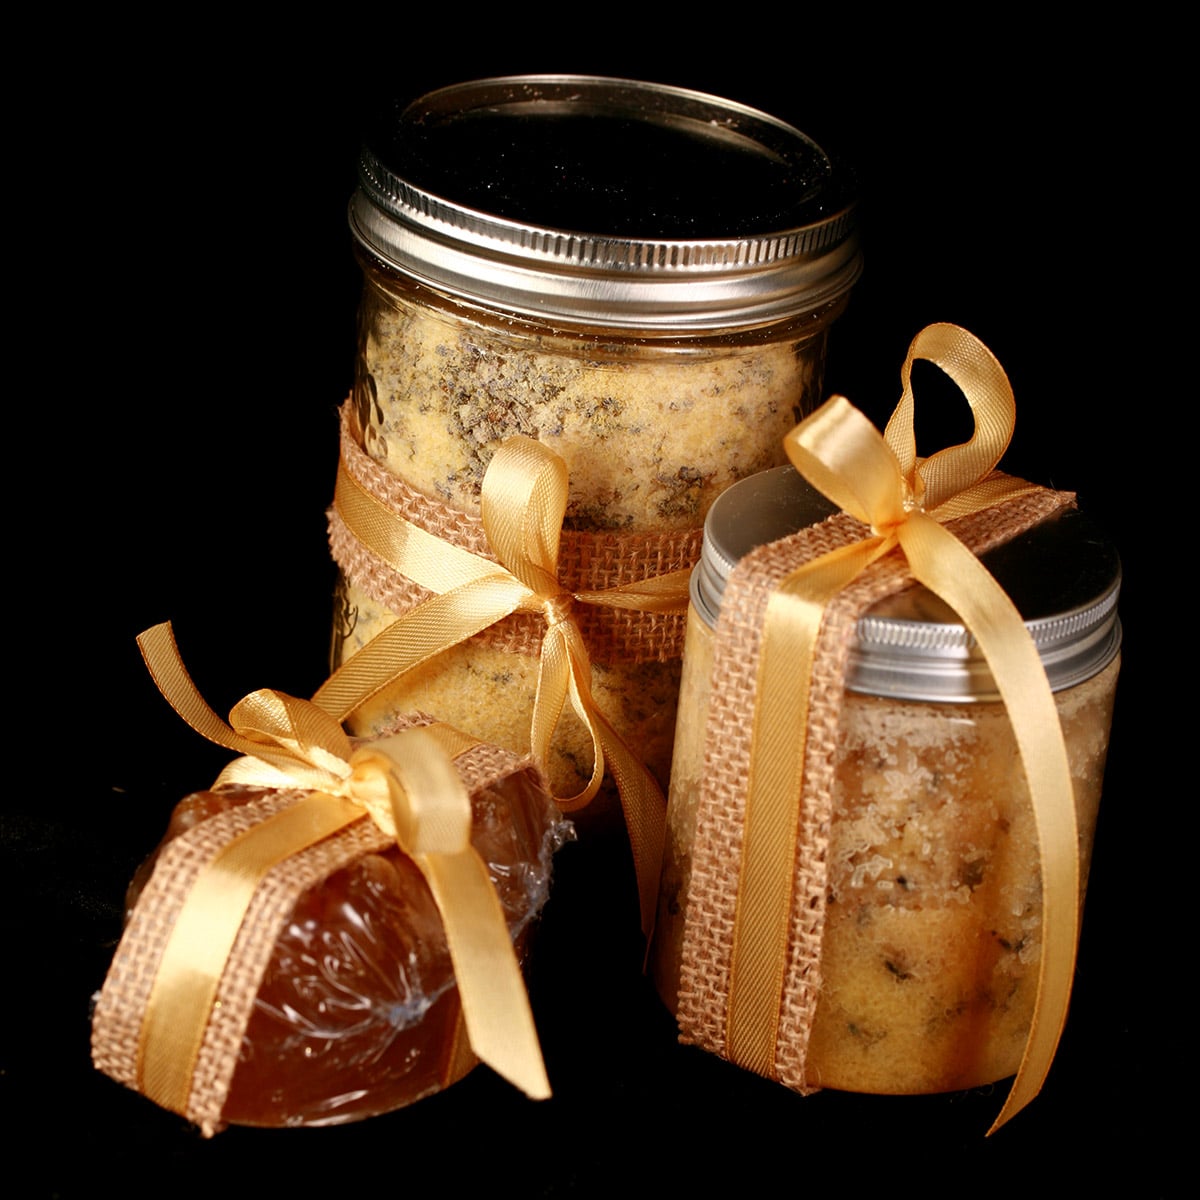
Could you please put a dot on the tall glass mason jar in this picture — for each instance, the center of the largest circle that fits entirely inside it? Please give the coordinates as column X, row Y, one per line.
column 640, row 277
column 931, row 942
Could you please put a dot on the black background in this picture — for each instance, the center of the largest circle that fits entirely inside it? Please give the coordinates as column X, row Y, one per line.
column 192, row 321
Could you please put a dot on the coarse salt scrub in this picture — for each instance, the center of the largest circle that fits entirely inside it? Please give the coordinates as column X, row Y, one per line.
column 639, row 277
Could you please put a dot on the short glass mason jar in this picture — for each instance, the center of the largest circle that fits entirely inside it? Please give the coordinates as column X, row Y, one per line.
column 931, row 943
column 642, row 278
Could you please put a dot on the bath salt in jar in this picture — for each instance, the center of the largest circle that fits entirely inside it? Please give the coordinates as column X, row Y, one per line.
column 640, row 277
column 932, row 923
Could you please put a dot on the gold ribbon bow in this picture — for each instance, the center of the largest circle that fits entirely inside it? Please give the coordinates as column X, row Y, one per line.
column 903, row 500
column 524, row 499
column 407, row 784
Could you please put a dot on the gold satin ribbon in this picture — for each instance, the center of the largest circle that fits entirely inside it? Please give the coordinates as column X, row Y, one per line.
column 524, row 499
column 408, row 786
column 903, row 500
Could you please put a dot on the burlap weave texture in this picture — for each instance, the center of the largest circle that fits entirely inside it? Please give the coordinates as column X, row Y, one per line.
column 586, row 562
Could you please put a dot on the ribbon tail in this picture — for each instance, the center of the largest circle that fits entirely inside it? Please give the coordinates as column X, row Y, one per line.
column 495, row 1004
column 659, row 594
column 416, row 637
column 995, row 489
column 642, row 801
column 276, row 758
column 165, row 664
column 432, row 814
column 563, row 669
column 645, row 809
column 947, row 568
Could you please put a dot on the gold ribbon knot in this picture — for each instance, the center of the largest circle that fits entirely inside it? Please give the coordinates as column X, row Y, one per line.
column 523, row 502
column 408, row 785
column 903, row 501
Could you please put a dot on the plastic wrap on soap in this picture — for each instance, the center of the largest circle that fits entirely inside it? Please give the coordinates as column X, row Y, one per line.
column 358, row 1013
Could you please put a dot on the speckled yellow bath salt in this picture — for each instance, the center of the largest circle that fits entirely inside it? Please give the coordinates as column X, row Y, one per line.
column 651, row 431
column 930, row 952
column 529, row 268
column 933, row 927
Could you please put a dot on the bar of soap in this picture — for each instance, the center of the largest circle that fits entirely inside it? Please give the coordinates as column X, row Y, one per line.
column 358, row 1013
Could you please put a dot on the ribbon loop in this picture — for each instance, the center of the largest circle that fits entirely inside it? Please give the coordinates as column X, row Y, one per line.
column 843, row 455
column 523, row 504
column 985, row 387
column 311, row 736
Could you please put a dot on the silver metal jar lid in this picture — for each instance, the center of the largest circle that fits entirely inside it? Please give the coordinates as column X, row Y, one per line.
column 607, row 201
column 1063, row 576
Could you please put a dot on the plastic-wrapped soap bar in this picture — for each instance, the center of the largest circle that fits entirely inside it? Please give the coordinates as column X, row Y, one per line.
column 357, row 1012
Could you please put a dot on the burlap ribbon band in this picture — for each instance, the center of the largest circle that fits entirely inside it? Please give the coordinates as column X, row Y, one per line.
column 590, row 561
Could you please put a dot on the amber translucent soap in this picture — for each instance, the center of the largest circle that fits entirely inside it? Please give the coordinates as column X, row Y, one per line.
column 358, row 1012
